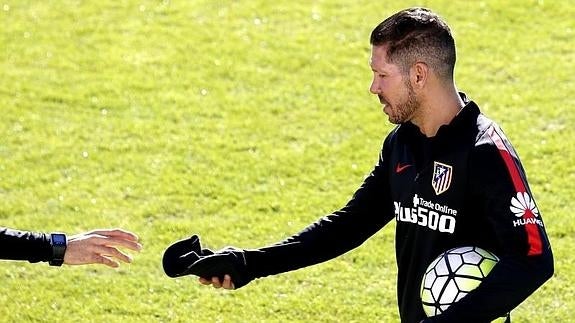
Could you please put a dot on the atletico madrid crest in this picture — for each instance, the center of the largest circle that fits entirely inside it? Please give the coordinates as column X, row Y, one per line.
column 441, row 180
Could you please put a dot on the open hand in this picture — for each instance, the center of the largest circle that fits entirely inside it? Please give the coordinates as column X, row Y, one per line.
column 101, row 247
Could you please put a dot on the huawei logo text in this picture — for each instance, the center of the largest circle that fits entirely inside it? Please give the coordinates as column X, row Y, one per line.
column 523, row 207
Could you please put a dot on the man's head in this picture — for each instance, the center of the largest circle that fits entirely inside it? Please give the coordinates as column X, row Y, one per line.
column 417, row 35
column 409, row 50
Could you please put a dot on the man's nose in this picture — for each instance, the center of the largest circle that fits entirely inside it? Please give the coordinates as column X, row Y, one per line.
column 374, row 87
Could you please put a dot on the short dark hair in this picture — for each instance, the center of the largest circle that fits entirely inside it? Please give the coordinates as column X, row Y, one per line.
column 417, row 34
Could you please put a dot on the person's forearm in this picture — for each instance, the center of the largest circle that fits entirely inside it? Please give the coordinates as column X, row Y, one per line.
column 326, row 239
column 331, row 236
column 24, row 245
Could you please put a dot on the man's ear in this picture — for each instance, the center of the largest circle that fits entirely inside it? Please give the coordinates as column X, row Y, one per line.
column 419, row 75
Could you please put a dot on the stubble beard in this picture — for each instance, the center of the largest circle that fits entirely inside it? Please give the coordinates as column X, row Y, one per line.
column 405, row 111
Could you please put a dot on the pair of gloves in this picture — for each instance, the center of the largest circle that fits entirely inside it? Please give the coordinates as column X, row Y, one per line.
column 187, row 257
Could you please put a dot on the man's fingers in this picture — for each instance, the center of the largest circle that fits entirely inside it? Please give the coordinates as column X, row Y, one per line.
column 132, row 245
column 114, row 241
column 94, row 247
column 113, row 252
column 216, row 282
column 105, row 261
column 116, row 233
column 227, row 284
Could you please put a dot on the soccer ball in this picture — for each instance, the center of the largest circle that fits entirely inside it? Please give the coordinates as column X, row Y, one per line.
column 452, row 275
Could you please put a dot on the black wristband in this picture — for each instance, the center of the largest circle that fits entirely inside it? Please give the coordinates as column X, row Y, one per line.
column 58, row 242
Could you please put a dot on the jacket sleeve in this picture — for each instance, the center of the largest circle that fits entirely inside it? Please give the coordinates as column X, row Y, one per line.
column 24, row 245
column 526, row 260
column 333, row 235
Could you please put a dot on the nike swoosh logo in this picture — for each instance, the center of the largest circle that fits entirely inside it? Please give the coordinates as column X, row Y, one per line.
column 400, row 168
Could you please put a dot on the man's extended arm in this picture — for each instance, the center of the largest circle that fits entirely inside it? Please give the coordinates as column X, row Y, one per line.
column 94, row 247
column 366, row 213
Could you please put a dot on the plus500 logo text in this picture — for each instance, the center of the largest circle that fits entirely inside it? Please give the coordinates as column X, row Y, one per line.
column 427, row 214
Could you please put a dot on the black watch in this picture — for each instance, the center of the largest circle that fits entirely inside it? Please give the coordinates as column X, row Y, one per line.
column 59, row 243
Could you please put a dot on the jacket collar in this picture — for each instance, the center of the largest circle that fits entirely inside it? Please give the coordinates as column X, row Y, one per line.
column 463, row 123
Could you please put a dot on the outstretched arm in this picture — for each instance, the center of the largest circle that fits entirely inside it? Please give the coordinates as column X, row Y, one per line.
column 333, row 235
column 94, row 247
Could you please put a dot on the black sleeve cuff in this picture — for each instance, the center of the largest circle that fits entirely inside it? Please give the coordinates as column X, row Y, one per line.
column 24, row 245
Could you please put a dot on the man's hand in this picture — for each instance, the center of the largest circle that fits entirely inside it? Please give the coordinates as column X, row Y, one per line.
column 100, row 247
column 225, row 268
column 215, row 282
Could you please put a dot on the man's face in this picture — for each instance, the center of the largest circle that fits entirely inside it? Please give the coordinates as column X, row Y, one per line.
column 393, row 89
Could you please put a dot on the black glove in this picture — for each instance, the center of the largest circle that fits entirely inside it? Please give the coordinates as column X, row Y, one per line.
column 230, row 261
column 181, row 255
column 186, row 257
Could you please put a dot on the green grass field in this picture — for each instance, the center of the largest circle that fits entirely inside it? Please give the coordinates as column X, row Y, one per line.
column 244, row 121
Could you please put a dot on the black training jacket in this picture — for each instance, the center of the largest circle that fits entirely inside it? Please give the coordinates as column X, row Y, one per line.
column 463, row 187
column 24, row 245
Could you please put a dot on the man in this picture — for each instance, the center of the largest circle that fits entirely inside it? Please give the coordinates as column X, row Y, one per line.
column 446, row 174
column 94, row 247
